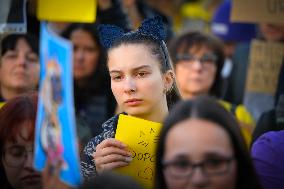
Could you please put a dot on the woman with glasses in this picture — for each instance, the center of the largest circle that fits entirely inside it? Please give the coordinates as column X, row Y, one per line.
column 198, row 60
column 17, row 126
column 210, row 154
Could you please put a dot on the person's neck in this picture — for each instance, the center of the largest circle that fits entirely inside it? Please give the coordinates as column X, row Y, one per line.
column 190, row 96
column 81, row 83
column 9, row 94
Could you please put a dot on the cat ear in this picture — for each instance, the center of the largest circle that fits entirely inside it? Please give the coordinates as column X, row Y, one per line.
column 108, row 34
column 153, row 27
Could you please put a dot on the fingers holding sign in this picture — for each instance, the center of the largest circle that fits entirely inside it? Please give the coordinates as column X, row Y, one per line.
column 111, row 154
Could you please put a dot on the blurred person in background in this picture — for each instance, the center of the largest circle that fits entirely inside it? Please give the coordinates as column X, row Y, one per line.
column 17, row 127
column 138, row 10
column 19, row 65
column 272, row 120
column 211, row 154
column 268, row 150
column 198, row 61
column 94, row 101
column 236, row 38
column 254, row 101
column 17, row 132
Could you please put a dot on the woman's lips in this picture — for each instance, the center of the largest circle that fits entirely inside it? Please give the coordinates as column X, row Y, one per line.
column 31, row 179
column 133, row 102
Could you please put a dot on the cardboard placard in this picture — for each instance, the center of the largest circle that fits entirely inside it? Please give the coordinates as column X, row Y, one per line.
column 141, row 136
column 67, row 10
column 265, row 63
column 258, row 11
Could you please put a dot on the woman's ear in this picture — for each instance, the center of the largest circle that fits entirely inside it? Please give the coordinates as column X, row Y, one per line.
column 168, row 80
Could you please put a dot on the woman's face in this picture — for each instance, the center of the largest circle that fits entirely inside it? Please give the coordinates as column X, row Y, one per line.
column 19, row 68
column 195, row 72
column 18, row 162
column 201, row 157
column 136, row 80
column 86, row 54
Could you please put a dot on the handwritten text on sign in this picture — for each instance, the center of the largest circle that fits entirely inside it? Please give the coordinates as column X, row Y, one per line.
column 141, row 137
column 265, row 63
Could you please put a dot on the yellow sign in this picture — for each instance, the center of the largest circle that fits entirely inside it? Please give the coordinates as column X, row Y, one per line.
column 141, row 136
column 264, row 67
column 67, row 10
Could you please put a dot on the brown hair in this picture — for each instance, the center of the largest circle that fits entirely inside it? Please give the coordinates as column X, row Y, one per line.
column 21, row 109
column 16, row 113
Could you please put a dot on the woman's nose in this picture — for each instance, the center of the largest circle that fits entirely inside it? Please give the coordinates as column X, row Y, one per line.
column 198, row 178
column 196, row 64
column 21, row 59
column 79, row 55
column 29, row 160
column 130, row 85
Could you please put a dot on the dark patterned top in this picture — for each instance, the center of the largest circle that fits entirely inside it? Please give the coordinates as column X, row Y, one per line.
column 88, row 166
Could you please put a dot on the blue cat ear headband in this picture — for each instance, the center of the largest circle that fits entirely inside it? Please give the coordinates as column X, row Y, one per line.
column 152, row 27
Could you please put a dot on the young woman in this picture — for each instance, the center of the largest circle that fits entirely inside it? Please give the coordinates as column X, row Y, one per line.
column 141, row 77
column 198, row 60
column 19, row 65
column 210, row 154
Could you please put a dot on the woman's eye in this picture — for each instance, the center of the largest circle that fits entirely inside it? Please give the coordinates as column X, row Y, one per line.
column 11, row 55
column 141, row 74
column 116, row 78
column 182, row 164
column 214, row 163
column 16, row 152
column 90, row 49
column 32, row 58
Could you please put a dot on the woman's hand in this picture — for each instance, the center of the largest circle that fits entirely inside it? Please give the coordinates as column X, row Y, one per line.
column 111, row 154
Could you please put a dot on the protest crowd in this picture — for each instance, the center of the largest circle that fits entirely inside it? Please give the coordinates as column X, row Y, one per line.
column 154, row 94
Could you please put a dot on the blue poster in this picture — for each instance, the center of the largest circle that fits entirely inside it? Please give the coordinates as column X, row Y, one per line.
column 56, row 137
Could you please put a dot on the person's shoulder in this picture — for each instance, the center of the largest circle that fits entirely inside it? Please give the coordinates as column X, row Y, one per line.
column 111, row 123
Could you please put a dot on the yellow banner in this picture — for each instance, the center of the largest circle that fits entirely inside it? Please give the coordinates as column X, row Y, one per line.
column 67, row 10
column 141, row 136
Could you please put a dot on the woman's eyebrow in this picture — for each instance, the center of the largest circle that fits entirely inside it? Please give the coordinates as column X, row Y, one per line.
column 114, row 71
column 142, row 67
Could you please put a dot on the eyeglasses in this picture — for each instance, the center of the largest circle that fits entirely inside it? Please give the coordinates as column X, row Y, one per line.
column 210, row 167
column 189, row 59
column 15, row 156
